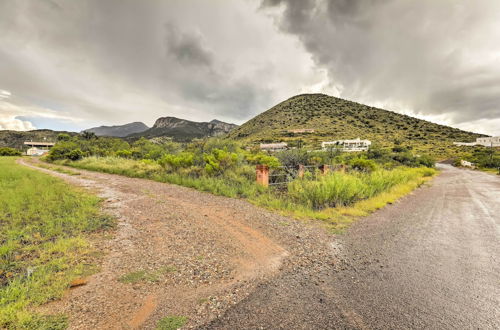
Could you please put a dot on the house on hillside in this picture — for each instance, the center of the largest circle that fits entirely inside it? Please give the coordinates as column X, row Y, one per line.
column 301, row 130
column 465, row 163
column 347, row 145
column 273, row 146
column 38, row 148
column 482, row 141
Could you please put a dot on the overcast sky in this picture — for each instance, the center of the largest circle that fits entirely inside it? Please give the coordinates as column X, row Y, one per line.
column 77, row 64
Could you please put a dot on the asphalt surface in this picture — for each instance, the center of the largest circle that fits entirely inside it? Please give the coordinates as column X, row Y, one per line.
column 431, row 260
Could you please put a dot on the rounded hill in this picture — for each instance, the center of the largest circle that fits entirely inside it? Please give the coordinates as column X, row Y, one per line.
column 314, row 118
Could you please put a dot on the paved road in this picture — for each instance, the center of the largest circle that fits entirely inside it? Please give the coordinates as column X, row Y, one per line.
column 430, row 261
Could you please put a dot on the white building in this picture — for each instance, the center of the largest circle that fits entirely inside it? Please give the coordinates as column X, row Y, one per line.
column 482, row 141
column 38, row 148
column 273, row 146
column 465, row 163
column 347, row 145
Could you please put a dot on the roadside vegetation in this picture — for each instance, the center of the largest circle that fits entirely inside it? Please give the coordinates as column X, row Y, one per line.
column 5, row 151
column 224, row 168
column 45, row 229
column 485, row 158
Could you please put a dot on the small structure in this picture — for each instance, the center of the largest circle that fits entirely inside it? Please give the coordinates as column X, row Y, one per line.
column 273, row 146
column 465, row 163
column 38, row 148
column 347, row 145
column 301, row 130
column 493, row 141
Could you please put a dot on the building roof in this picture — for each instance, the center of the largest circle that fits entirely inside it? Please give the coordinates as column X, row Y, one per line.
column 273, row 145
column 39, row 144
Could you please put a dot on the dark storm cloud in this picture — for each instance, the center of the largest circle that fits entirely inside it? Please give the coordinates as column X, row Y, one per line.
column 432, row 57
column 94, row 62
column 114, row 61
column 187, row 48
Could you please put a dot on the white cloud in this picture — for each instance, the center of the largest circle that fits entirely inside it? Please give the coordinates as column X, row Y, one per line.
column 4, row 94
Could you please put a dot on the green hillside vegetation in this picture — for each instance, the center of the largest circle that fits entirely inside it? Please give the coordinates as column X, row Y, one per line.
column 16, row 139
column 334, row 118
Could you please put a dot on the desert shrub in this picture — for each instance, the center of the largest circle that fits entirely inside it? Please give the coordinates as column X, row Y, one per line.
column 184, row 159
column 219, row 160
column 363, row 165
column 124, row 153
column 221, row 144
column 65, row 150
column 262, row 158
column 426, row 160
column 293, row 158
column 5, row 151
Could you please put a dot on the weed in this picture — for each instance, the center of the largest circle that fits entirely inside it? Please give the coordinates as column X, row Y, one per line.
column 172, row 322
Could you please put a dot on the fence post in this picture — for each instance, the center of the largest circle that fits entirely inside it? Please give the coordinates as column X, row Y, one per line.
column 300, row 171
column 262, row 175
column 324, row 169
column 341, row 168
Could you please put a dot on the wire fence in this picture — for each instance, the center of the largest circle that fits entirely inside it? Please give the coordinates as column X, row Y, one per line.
column 282, row 175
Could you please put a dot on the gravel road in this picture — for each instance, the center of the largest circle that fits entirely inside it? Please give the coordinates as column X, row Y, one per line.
column 431, row 260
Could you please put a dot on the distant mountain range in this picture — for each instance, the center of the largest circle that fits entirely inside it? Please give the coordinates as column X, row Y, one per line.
column 184, row 130
column 119, row 130
column 171, row 127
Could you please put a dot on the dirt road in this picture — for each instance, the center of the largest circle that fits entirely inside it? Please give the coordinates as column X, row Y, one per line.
column 430, row 261
column 178, row 251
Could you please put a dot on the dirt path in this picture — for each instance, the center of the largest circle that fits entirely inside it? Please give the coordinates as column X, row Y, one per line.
column 198, row 253
column 430, row 261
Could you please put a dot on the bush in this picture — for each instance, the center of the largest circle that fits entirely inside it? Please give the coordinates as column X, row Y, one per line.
column 262, row 158
column 363, row 165
column 184, row 159
column 63, row 137
column 293, row 158
column 124, row 153
column 219, row 160
column 9, row 152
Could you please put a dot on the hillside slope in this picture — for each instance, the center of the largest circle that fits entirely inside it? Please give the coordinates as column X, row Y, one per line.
column 334, row 118
column 16, row 139
column 119, row 130
column 184, row 130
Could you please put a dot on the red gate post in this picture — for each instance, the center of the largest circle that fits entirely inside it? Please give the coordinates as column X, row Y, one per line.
column 324, row 169
column 262, row 175
column 300, row 171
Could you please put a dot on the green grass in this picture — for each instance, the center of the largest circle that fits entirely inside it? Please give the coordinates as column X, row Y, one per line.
column 45, row 226
column 341, row 189
column 172, row 322
column 58, row 169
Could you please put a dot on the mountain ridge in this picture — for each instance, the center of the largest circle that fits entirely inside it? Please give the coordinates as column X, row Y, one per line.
column 184, row 130
column 118, row 130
